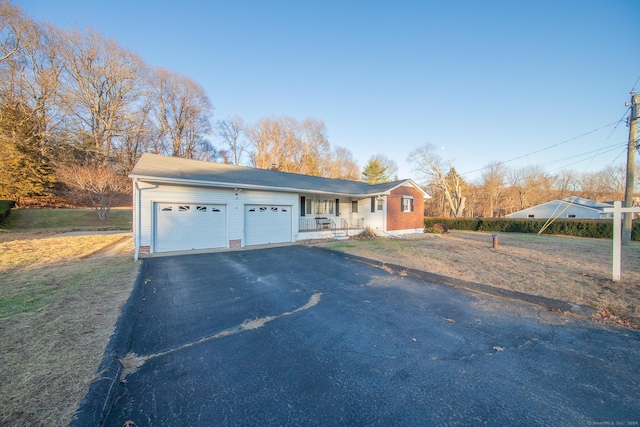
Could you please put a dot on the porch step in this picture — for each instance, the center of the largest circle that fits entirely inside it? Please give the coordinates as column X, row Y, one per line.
column 341, row 235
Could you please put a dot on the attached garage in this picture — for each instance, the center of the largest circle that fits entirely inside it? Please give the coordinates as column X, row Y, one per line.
column 188, row 226
column 265, row 224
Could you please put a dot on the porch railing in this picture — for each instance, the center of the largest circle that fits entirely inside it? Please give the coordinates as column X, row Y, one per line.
column 352, row 223
column 326, row 223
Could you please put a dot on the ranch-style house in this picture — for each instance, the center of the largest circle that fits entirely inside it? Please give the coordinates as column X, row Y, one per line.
column 183, row 205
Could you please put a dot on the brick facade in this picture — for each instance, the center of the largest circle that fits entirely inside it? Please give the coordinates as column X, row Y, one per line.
column 398, row 220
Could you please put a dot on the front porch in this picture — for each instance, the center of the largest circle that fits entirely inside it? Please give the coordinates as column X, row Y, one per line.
column 324, row 227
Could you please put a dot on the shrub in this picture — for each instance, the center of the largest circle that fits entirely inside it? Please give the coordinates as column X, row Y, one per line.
column 5, row 208
column 453, row 223
column 598, row 228
column 368, row 233
column 437, row 229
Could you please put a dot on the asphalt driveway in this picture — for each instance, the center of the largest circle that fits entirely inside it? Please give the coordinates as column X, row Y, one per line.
column 298, row 335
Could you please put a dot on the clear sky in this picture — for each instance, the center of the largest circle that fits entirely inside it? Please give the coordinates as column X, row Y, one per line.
column 482, row 80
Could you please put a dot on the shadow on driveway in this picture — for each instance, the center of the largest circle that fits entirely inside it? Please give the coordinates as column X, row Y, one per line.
column 304, row 336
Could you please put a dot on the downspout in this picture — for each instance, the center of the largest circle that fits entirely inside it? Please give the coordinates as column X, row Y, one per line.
column 384, row 214
column 136, row 214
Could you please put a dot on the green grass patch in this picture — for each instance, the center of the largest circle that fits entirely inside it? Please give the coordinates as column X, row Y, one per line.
column 67, row 219
column 30, row 302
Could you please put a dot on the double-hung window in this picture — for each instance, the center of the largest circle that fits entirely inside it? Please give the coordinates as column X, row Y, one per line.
column 407, row 204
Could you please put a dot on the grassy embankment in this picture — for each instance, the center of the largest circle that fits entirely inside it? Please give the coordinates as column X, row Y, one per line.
column 59, row 300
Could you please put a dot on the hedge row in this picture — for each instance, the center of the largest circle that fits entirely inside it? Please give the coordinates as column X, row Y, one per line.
column 600, row 228
column 5, row 208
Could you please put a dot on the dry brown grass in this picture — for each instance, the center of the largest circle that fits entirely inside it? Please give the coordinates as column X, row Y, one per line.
column 58, row 307
column 577, row 270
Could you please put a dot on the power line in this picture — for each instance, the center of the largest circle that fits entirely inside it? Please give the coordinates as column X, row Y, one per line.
column 633, row 88
column 547, row 148
column 596, row 152
column 589, row 159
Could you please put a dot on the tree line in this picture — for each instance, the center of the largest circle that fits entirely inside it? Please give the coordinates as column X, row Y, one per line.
column 72, row 100
column 502, row 190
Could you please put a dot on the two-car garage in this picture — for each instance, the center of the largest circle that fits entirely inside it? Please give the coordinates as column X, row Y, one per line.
column 191, row 226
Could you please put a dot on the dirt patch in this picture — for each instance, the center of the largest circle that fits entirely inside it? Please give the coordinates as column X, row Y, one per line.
column 576, row 270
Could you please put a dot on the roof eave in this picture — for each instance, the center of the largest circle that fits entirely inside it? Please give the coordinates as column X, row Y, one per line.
column 244, row 186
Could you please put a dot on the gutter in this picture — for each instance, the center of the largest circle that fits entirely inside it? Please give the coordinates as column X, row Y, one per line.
column 200, row 183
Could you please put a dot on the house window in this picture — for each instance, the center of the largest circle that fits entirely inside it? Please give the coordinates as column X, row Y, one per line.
column 354, row 206
column 530, row 216
column 319, row 207
column 407, row 204
column 379, row 204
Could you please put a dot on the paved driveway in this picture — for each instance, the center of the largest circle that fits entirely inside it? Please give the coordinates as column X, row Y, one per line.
column 302, row 336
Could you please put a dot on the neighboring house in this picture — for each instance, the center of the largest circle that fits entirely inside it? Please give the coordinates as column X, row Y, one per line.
column 571, row 207
column 181, row 204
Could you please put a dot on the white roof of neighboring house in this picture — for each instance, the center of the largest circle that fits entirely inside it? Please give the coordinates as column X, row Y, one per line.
column 592, row 205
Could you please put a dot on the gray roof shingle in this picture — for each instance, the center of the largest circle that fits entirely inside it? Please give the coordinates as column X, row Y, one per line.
column 165, row 168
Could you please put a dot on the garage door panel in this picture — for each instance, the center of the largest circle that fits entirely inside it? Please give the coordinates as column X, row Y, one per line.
column 266, row 224
column 189, row 226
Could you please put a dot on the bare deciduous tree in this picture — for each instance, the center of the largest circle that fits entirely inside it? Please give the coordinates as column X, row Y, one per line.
column 182, row 111
column 10, row 20
column 96, row 186
column 343, row 166
column 527, row 183
column 493, row 178
column 101, row 88
column 231, row 131
column 298, row 147
column 450, row 183
column 565, row 183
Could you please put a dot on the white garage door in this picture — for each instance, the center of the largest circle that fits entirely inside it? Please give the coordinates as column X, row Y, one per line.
column 264, row 224
column 187, row 226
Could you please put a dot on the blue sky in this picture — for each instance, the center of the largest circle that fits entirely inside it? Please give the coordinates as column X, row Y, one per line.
column 486, row 80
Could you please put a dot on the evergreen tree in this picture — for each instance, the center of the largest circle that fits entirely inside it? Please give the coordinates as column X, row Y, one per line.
column 25, row 171
column 375, row 172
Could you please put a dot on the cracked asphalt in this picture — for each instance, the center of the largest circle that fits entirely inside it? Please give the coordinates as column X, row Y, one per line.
column 299, row 335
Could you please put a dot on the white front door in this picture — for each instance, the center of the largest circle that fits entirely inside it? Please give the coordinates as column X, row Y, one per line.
column 187, row 226
column 265, row 224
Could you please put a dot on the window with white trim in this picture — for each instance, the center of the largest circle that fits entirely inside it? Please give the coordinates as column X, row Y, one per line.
column 407, row 204
column 319, row 207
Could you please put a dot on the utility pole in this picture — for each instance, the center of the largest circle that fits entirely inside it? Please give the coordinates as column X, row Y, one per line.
column 631, row 165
